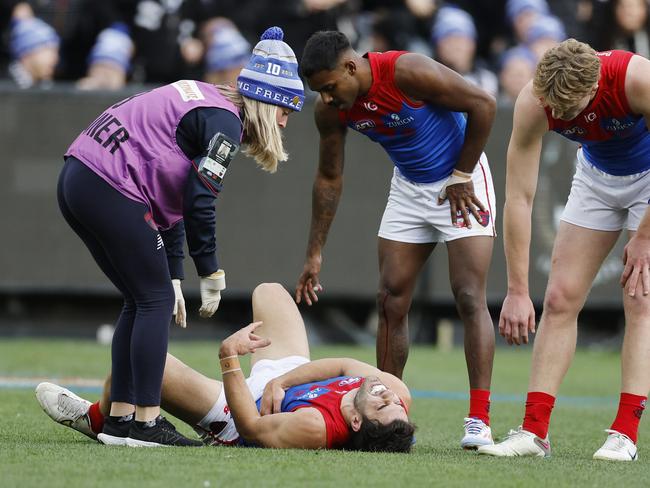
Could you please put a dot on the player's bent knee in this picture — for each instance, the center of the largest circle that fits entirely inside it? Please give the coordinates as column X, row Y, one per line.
column 469, row 301
column 265, row 289
column 558, row 302
column 392, row 305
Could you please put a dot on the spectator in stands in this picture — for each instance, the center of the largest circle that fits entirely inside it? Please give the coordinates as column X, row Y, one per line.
column 454, row 42
column 522, row 13
column 630, row 29
column 110, row 59
column 576, row 15
column 301, row 18
column 159, row 26
column 545, row 32
column 492, row 26
column 226, row 51
column 517, row 68
column 34, row 47
column 396, row 30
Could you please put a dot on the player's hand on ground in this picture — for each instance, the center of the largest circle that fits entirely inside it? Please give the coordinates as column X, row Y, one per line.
column 180, row 315
column 517, row 319
column 272, row 398
column 462, row 201
column 636, row 258
column 308, row 284
column 243, row 341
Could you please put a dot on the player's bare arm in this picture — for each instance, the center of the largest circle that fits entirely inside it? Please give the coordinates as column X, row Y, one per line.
column 304, row 428
column 529, row 126
column 322, row 369
column 325, row 197
column 636, row 255
column 423, row 79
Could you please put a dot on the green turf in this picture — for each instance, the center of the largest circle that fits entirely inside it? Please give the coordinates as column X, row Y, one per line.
column 35, row 451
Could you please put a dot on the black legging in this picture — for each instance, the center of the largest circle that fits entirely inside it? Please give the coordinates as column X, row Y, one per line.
column 131, row 254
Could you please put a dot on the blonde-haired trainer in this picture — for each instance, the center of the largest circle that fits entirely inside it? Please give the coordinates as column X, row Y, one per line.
column 145, row 171
column 602, row 101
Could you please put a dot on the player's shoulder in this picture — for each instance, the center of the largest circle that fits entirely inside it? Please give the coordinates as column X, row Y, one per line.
column 638, row 69
column 637, row 89
column 530, row 119
column 528, row 103
column 310, row 420
column 409, row 62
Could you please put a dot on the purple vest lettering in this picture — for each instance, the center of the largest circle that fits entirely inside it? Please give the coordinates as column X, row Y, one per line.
column 132, row 145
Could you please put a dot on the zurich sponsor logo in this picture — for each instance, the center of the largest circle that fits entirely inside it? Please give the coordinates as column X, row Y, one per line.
column 370, row 106
column 398, row 121
column 315, row 393
column 364, row 125
column 617, row 125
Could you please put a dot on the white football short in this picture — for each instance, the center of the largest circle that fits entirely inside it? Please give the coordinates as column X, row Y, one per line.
column 262, row 372
column 601, row 201
column 413, row 215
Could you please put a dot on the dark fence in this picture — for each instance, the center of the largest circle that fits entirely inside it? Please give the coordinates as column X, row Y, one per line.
column 263, row 219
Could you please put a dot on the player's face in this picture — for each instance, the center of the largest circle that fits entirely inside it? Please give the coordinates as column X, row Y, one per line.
column 337, row 88
column 377, row 402
column 282, row 116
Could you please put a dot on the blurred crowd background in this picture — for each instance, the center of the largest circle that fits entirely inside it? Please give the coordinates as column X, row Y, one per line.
column 105, row 44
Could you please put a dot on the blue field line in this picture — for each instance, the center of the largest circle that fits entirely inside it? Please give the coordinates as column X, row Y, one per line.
column 510, row 398
column 15, row 383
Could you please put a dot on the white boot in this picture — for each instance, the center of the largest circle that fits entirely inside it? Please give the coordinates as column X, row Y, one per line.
column 65, row 407
column 617, row 447
column 519, row 442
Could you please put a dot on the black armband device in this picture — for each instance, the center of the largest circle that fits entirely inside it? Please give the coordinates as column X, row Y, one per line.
column 221, row 151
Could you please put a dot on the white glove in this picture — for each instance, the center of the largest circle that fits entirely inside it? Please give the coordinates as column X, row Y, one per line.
column 179, row 304
column 211, row 287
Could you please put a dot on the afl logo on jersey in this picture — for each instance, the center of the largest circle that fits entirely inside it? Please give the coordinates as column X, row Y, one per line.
column 590, row 117
column 575, row 130
column 371, row 106
column 364, row 125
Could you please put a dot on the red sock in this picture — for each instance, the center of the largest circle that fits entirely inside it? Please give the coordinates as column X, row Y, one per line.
column 96, row 418
column 630, row 408
column 538, row 413
column 479, row 405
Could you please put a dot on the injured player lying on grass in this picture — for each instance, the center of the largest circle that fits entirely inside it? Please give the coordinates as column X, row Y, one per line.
column 287, row 401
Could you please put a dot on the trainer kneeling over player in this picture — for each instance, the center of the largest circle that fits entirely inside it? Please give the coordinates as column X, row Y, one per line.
column 145, row 170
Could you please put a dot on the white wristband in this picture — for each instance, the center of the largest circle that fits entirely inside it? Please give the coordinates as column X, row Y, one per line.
column 456, row 177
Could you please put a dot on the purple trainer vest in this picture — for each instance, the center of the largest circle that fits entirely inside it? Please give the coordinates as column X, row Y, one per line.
column 132, row 145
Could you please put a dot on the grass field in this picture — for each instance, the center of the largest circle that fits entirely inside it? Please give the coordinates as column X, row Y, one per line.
column 34, row 451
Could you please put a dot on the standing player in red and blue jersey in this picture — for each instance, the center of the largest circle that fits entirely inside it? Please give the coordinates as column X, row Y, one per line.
column 441, row 191
column 602, row 101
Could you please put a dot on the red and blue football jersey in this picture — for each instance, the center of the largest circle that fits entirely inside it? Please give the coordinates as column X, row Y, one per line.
column 422, row 140
column 325, row 396
column 613, row 139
